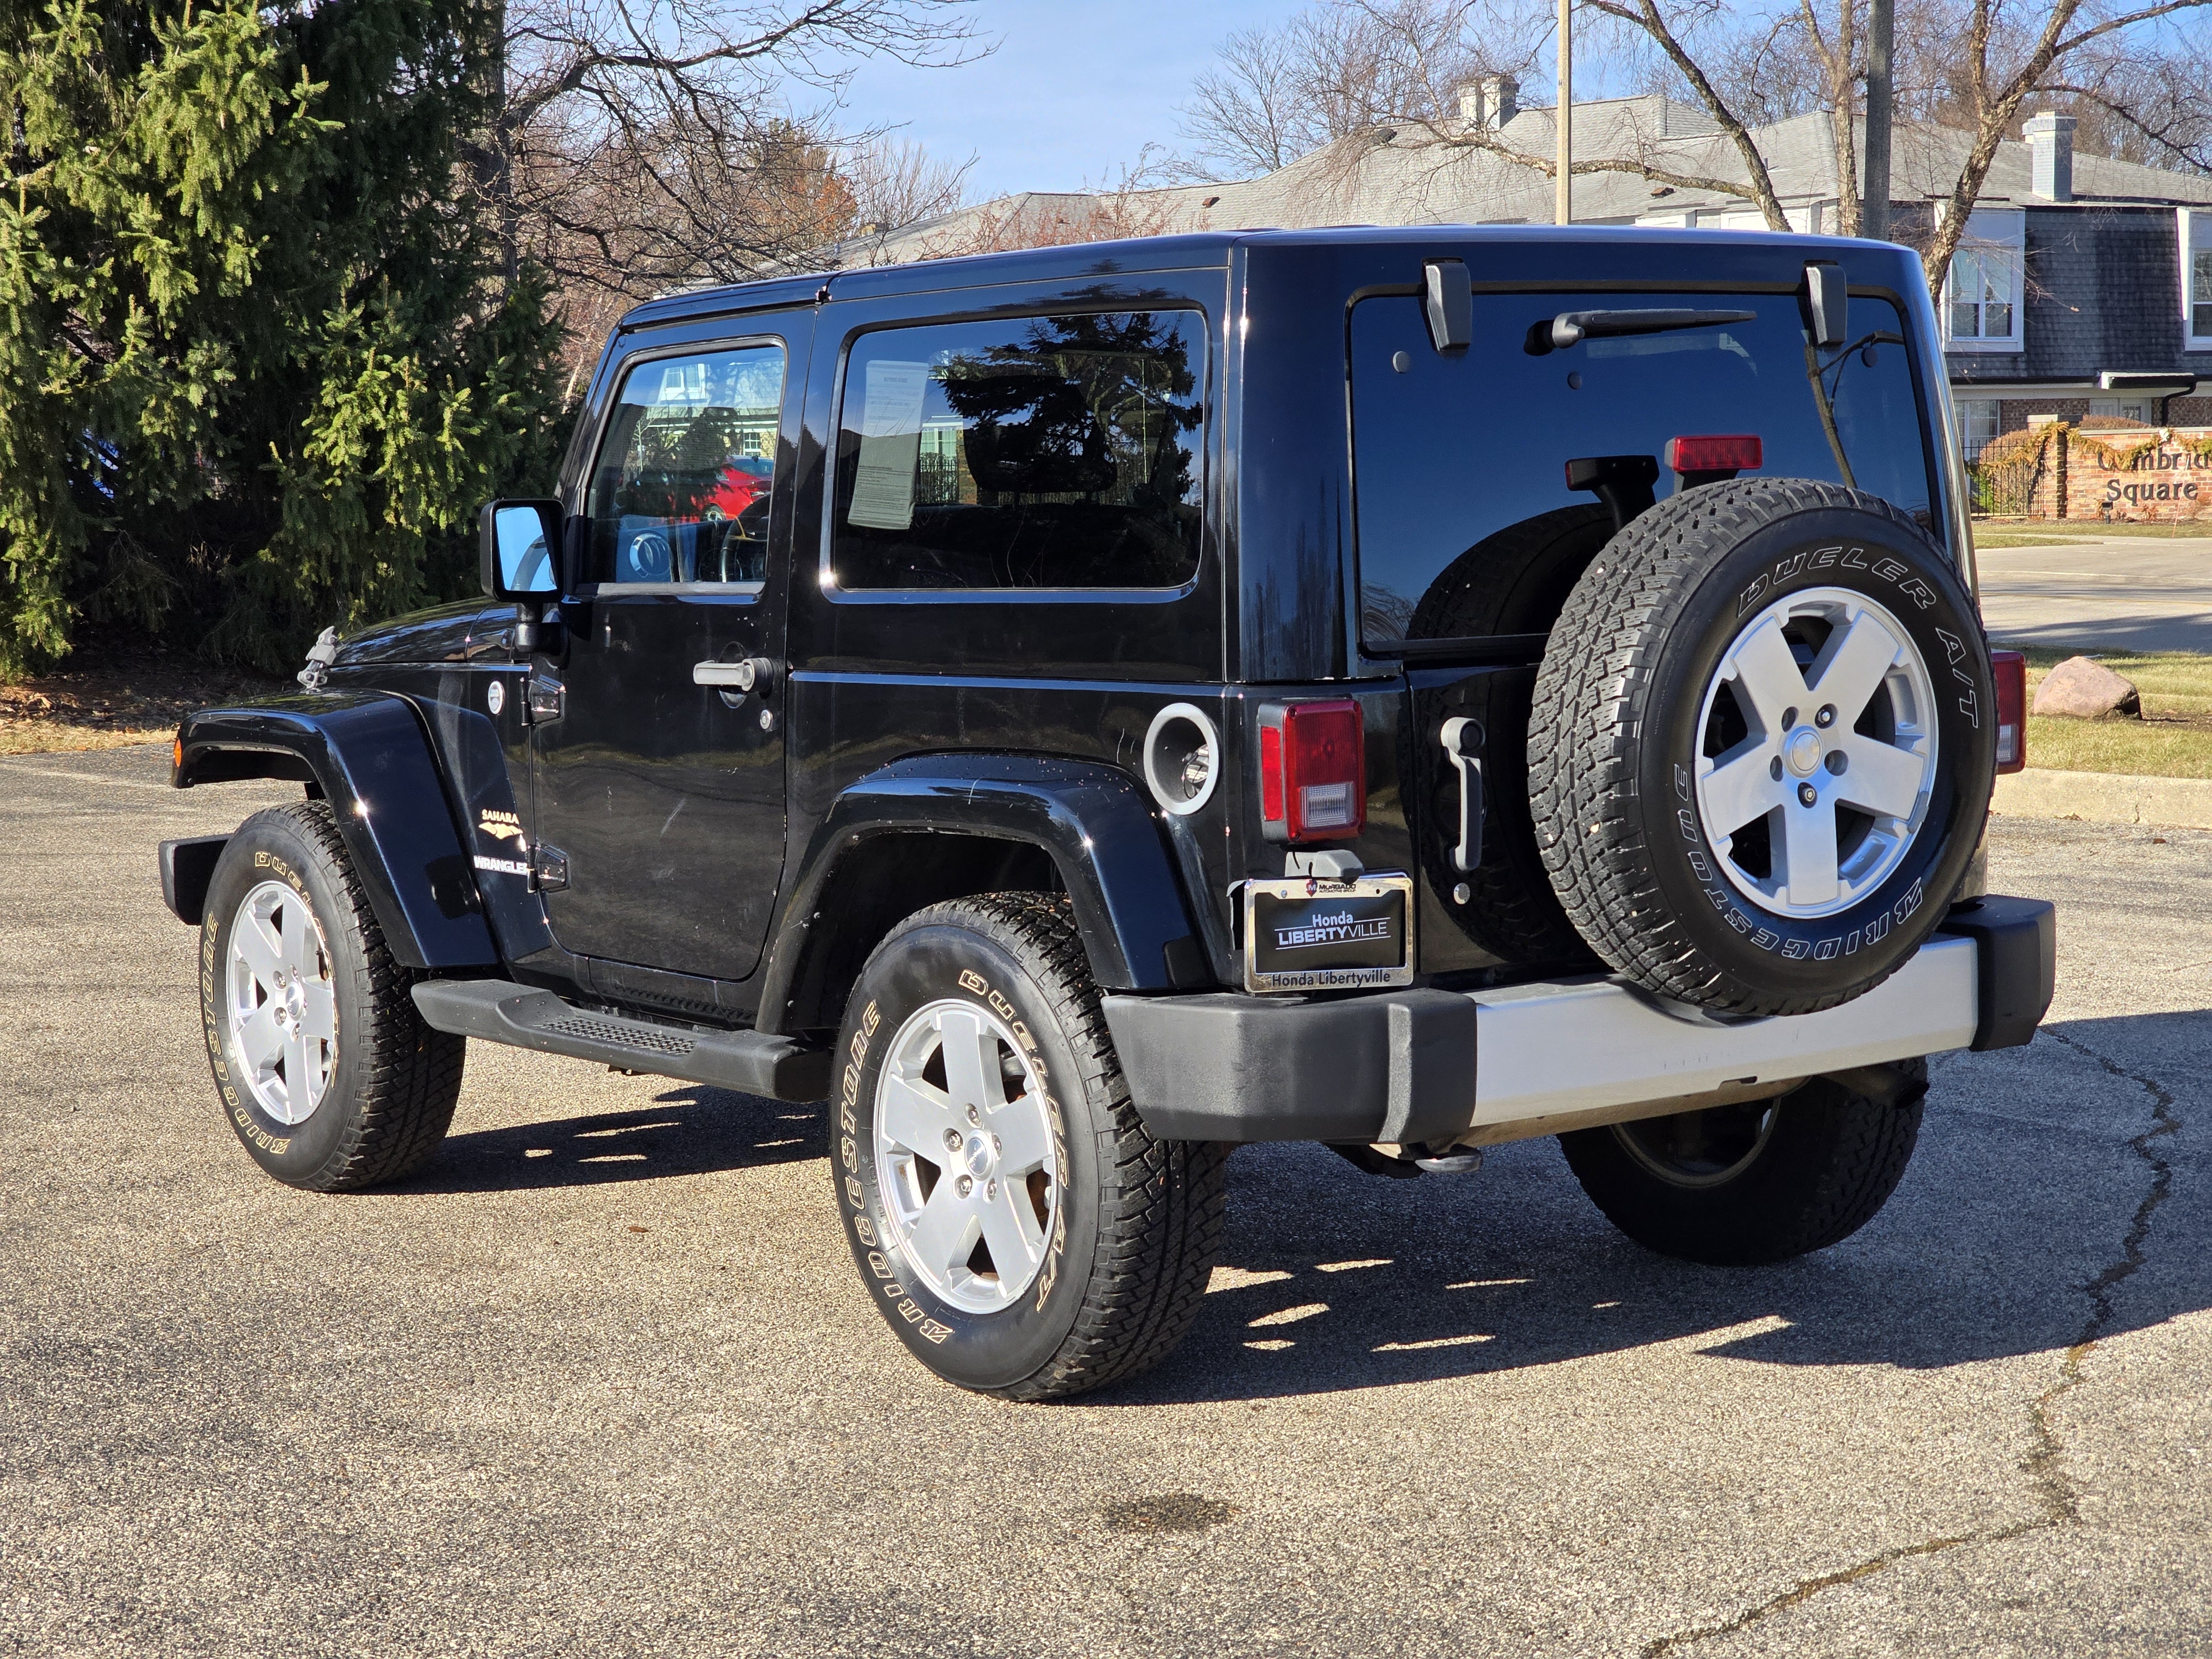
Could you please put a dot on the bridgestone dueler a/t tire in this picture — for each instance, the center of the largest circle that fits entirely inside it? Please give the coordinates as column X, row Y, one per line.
column 394, row 1083
column 1126, row 1270
column 1615, row 734
column 1829, row 1162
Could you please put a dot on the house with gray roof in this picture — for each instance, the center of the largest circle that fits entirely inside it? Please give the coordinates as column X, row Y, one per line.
column 2083, row 285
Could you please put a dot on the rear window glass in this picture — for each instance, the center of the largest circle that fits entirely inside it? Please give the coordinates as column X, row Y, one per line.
column 1466, row 523
column 1027, row 452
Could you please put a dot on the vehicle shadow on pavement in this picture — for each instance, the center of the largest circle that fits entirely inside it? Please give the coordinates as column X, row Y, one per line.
column 2035, row 1169
column 2141, row 632
column 690, row 1130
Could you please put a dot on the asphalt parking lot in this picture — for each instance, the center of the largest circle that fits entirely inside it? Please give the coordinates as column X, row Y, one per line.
column 602, row 1382
column 2122, row 593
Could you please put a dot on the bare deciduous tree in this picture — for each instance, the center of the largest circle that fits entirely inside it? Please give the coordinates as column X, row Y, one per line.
column 1336, row 70
column 1347, row 68
column 2158, row 112
column 1833, row 47
column 1252, row 114
column 1970, row 66
column 897, row 183
column 642, row 144
column 1128, row 207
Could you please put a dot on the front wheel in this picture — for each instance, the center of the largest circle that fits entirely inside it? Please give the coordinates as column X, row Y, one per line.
column 1011, row 1216
column 1737, row 1185
column 327, row 1074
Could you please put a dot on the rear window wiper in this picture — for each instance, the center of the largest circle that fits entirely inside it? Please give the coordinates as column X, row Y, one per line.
column 1569, row 328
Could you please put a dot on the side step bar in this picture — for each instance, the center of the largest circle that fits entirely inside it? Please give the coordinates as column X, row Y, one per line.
column 501, row 1011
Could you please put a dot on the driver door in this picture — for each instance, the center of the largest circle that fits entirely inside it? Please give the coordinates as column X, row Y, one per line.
column 657, row 752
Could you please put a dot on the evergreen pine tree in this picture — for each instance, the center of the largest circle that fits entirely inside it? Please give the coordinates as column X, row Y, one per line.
column 258, row 359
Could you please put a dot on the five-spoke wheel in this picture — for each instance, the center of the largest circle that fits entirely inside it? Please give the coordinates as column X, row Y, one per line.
column 1820, row 751
column 1013, row 1219
column 327, row 1074
column 964, row 1153
column 282, row 1009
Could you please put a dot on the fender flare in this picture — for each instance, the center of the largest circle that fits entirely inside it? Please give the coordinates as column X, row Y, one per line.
column 1100, row 830
column 368, row 754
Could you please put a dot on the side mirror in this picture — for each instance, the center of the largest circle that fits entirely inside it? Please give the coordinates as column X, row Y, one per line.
column 519, row 541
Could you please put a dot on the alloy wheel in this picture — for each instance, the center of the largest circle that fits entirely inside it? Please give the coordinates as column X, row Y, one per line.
column 1817, row 753
column 965, row 1155
column 282, row 1006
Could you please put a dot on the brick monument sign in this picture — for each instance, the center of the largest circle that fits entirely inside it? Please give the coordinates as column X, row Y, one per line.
column 2060, row 471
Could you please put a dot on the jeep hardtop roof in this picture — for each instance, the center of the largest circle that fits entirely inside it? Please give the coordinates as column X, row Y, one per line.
column 1203, row 249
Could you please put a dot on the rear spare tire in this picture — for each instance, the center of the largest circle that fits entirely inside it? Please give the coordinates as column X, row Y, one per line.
column 1762, row 745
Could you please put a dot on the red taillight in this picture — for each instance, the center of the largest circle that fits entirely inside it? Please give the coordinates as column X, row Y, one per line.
column 1742, row 454
column 2011, row 670
column 1313, row 771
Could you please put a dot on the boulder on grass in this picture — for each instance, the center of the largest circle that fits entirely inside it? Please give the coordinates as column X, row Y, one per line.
column 2082, row 690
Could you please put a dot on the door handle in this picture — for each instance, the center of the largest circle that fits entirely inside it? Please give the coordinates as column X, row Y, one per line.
column 746, row 674
column 1462, row 735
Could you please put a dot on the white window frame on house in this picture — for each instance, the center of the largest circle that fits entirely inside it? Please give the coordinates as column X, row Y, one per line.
column 1985, row 283
column 2194, row 238
column 1978, row 421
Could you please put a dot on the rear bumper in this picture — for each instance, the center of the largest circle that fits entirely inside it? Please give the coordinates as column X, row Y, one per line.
column 1430, row 1066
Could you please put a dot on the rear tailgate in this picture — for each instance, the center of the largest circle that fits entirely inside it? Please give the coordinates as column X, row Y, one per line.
column 1487, row 480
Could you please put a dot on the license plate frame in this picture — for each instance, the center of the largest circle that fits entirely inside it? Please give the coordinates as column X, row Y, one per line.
column 1273, row 912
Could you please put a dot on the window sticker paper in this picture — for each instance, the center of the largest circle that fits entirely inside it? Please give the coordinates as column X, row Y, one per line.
column 891, row 446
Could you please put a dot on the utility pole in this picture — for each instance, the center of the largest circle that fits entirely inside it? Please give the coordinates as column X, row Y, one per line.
column 1563, row 192
column 1873, row 209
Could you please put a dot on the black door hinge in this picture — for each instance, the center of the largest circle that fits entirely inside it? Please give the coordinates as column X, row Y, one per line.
column 548, row 869
column 542, row 700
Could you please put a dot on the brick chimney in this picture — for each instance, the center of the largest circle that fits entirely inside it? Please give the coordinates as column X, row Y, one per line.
column 2051, row 144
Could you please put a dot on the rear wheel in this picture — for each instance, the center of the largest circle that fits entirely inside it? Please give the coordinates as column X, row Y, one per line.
column 1011, row 1217
column 1761, row 1182
column 327, row 1075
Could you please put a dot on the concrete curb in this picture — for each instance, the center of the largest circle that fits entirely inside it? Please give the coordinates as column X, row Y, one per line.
column 2106, row 798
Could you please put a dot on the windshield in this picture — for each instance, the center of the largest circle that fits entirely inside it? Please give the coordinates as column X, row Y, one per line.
column 1467, row 524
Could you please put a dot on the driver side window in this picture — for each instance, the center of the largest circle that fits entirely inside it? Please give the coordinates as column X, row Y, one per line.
column 681, row 489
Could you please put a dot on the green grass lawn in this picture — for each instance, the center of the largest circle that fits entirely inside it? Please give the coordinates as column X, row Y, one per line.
column 2173, row 740
column 2054, row 532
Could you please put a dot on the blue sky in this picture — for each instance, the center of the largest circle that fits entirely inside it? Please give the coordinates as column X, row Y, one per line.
column 1075, row 89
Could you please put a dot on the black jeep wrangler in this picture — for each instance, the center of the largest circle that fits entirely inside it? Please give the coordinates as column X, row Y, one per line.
column 1084, row 709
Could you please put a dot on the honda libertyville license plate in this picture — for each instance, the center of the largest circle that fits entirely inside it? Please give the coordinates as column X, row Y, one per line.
column 1308, row 934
